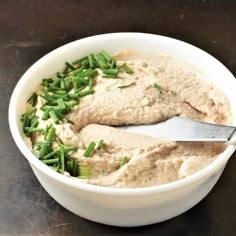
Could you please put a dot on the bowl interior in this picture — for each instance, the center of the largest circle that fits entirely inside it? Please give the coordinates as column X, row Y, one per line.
column 54, row 61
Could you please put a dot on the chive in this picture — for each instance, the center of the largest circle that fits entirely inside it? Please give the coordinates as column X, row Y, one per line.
column 59, row 115
column 75, row 86
column 129, row 71
column 90, row 83
column 157, row 87
column 64, row 97
column 86, row 92
column 89, row 149
column 61, row 92
column 47, row 82
column 82, row 80
column 33, row 99
column 91, row 60
column 48, row 127
column 33, row 129
column 67, row 84
column 62, row 84
column 45, row 95
column 121, row 66
column 47, row 107
column 70, row 66
column 113, row 64
column 84, row 172
column 34, row 122
column 100, row 144
column 61, row 104
column 73, row 95
column 55, row 83
column 26, row 122
column 51, row 161
column 105, row 55
column 71, row 103
column 75, row 168
column 51, row 154
column 77, row 71
column 45, row 147
column 125, row 86
column 100, row 62
column 61, row 75
column 70, row 149
column 110, row 76
column 88, row 72
column 111, row 72
column 80, row 60
column 123, row 161
column 29, row 112
column 54, row 117
column 65, row 71
column 85, row 63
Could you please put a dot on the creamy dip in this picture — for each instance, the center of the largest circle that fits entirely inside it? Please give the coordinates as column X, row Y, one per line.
column 133, row 99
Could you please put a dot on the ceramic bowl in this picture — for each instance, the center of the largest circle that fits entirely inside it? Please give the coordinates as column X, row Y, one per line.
column 122, row 207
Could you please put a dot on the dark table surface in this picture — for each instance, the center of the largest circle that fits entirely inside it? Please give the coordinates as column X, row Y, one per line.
column 30, row 29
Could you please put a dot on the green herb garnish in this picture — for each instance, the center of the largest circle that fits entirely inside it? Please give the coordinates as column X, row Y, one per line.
column 157, row 87
column 89, row 149
column 100, row 144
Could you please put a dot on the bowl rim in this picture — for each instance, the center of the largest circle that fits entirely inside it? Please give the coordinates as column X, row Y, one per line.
column 217, row 164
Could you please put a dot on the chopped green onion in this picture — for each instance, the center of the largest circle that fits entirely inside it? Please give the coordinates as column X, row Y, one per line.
column 45, row 147
column 113, row 64
column 121, row 66
column 61, row 75
column 89, row 149
column 100, row 144
column 105, row 55
column 70, row 66
column 110, row 76
column 33, row 129
column 51, row 161
column 73, row 95
column 79, row 60
column 91, row 60
column 157, row 87
column 29, row 112
column 100, row 62
column 129, row 71
column 90, row 83
column 33, row 99
column 61, row 104
column 84, row 172
column 71, row 103
column 86, row 92
column 88, row 72
column 70, row 149
column 53, row 116
column 123, row 161
column 64, row 97
column 77, row 71
column 51, row 154
column 111, row 72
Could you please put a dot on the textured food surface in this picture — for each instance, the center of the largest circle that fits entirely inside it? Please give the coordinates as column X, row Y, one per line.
column 148, row 161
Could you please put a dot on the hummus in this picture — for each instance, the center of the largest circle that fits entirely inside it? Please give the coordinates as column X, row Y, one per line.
column 132, row 99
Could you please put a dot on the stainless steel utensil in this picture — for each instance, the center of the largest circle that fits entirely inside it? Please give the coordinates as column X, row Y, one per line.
column 184, row 129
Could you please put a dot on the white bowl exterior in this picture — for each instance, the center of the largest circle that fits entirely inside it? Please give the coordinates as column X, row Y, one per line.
column 123, row 207
column 131, row 210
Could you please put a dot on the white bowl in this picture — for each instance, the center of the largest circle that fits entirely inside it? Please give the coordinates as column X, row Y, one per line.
column 122, row 207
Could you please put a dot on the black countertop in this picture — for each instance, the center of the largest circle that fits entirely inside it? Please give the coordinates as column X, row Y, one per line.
column 30, row 29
